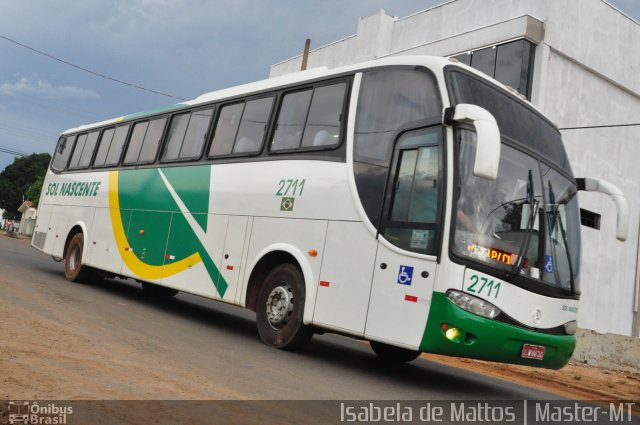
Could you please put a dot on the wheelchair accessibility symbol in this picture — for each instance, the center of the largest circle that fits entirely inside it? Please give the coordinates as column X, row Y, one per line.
column 405, row 275
column 548, row 264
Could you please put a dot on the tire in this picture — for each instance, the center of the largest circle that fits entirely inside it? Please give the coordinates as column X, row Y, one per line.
column 158, row 291
column 280, row 309
column 393, row 354
column 74, row 271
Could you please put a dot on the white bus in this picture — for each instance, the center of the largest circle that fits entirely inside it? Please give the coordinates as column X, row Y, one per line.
column 410, row 201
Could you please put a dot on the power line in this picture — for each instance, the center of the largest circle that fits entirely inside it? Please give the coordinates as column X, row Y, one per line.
column 12, row 151
column 88, row 70
column 599, row 126
column 50, row 105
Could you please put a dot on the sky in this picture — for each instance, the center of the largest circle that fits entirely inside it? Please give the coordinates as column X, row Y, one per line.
column 178, row 47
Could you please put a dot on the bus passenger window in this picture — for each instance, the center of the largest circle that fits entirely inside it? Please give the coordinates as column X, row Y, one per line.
column 388, row 100
column 186, row 135
column 253, row 125
column 135, row 143
column 77, row 152
column 117, row 144
column 63, row 151
column 323, row 123
column 196, row 133
column 175, row 138
column 309, row 118
column 226, row 129
column 89, row 148
column 103, row 148
column 152, row 140
column 144, row 142
column 291, row 119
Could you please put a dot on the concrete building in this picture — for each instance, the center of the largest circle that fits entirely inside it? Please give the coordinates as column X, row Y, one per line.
column 576, row 61
column 28, row 218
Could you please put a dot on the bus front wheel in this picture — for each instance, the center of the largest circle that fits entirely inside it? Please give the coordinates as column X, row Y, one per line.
column 280, row 309
column 392, row 353
column 74, row 271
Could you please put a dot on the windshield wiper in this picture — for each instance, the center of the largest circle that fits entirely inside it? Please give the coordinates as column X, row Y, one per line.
column 524, row 246
column 557, row 219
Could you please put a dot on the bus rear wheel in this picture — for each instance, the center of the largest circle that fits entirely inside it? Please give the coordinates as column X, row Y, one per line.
column 280, row 309
column 74, row 271
column 392, row 353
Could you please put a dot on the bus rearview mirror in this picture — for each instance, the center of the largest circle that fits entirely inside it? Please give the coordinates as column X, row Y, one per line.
column 487, row 157
column 603, row 186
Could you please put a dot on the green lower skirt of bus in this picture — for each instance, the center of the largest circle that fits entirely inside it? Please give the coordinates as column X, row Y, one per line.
column 455, row 332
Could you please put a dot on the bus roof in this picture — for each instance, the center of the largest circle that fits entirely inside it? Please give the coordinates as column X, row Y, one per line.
column 272, row 83
column 434, row 62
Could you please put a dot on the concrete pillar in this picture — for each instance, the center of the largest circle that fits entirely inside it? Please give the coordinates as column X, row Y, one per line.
column 374, row 36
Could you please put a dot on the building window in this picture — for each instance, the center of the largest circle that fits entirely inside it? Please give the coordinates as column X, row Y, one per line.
column 510, row 63
column 589, row 219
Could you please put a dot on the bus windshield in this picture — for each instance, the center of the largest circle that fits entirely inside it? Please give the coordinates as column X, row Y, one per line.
column 525, row 223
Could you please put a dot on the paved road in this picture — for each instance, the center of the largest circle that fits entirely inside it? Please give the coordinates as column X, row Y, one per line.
column 109, row 341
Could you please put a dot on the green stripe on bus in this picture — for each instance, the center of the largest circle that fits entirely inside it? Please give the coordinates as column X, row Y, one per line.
column 192, row 186
column 156, row 221
column 151, row 112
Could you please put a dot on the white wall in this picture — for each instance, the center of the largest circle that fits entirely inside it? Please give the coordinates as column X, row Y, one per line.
column 578, row 97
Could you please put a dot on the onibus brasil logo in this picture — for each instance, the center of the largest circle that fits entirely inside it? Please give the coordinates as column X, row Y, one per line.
column 24, row 412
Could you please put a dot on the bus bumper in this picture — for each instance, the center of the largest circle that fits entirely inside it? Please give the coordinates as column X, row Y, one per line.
column 487, row 339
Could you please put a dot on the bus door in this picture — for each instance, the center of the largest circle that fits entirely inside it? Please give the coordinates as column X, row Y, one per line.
column 232, row 258
column 408, row 240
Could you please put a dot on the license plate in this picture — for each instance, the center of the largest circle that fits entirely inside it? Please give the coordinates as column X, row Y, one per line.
column 530, row 351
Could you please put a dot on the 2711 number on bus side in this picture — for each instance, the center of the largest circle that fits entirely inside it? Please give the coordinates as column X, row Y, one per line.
column 481, row 285
column 290, row 187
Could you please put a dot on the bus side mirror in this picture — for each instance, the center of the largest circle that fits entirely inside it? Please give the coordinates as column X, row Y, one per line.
column 487, row 157
column 598, row 185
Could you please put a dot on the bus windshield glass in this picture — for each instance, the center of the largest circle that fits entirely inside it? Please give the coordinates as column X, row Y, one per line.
column 525, row 223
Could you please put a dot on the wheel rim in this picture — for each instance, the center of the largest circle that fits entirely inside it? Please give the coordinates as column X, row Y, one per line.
column 279, row 306
column 74, row 258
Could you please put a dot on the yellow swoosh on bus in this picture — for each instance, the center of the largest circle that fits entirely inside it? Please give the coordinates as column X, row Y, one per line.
column 141, row 269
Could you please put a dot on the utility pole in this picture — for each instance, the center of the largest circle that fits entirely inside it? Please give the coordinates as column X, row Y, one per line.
column 305, row 55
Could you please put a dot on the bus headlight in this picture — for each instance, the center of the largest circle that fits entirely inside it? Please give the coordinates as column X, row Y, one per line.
column 473, row 304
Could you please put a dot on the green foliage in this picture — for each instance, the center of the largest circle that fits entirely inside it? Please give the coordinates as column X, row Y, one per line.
column 16, row 179
column 33, row 191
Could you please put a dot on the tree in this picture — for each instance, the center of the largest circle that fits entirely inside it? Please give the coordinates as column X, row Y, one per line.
column 16, row 179
column 33, row 191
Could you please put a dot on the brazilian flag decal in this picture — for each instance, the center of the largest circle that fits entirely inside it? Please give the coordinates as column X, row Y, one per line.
column 159, row 219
